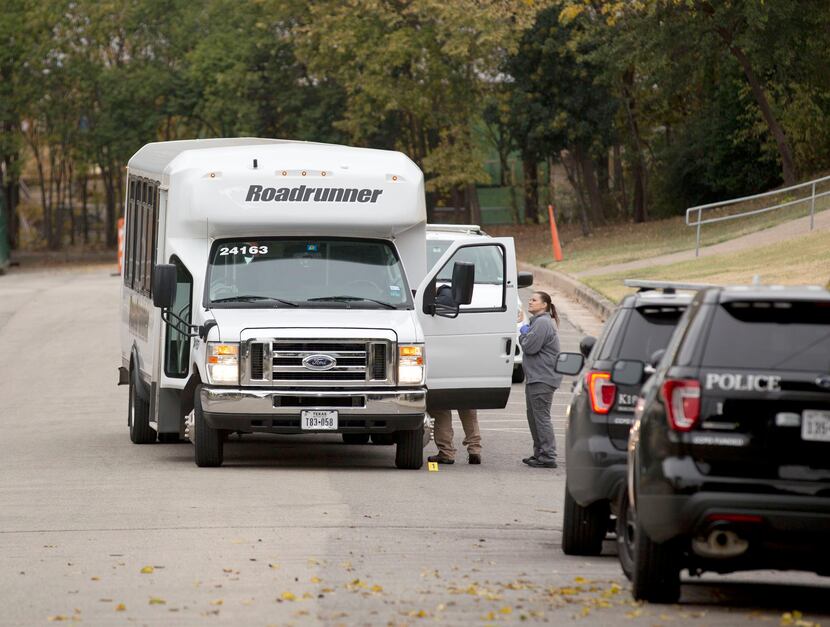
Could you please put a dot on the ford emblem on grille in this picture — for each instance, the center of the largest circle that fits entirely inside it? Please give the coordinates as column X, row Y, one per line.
column 823, row 382
column 319, row 362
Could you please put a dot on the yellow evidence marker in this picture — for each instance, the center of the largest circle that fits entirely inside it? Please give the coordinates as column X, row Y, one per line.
column 433, row 466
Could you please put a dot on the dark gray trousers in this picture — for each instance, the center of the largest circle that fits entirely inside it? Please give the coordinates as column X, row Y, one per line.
column 538, row 398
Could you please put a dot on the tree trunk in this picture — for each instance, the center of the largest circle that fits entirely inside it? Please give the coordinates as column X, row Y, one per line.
column 71, row 208
column 572, row 174
column 781, row 140
column 551, row 186
column 619, row 180
column 84, row 216
column 473, row 204
column 640, row 210
column 589, row 180
column 531, row 188
column 109, row 197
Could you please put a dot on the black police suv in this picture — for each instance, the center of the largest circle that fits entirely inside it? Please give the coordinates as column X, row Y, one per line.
column 729, row 456
column 601, row 412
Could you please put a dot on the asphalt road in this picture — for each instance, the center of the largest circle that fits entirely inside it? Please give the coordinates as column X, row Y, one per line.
column 292, row 530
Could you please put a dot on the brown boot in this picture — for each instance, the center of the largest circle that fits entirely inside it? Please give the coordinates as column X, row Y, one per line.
column 441, row 459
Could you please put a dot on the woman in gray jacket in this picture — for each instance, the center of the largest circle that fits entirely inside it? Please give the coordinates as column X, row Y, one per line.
column 540, row 343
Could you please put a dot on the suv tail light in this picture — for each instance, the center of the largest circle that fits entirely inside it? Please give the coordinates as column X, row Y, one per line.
column 600, row 390
column 682, row 399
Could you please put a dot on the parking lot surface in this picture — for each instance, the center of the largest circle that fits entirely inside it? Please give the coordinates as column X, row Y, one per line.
column 291, row 530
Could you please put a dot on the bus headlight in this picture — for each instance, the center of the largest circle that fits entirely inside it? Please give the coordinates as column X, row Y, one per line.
column 411, row 364
column 223, row 362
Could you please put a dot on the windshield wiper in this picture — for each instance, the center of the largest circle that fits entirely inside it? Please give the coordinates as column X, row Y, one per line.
column 348, row 299
column 250, row 299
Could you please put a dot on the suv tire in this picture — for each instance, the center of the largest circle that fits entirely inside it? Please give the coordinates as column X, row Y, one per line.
column 584, row 528
column 139, row 416
column 207, row 442
column 626, row 534
column 655, row 574
column 409, row 450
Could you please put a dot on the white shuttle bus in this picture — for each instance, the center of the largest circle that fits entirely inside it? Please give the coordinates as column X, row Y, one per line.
column 282, row 287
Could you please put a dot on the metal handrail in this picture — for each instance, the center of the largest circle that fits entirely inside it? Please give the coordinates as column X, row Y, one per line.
column 718, row 205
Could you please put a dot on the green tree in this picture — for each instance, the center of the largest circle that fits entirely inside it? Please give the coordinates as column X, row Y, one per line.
column 415, row 74
column 559, row 105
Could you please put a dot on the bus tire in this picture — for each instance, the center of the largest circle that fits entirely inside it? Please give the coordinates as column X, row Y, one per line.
column 409, row 449
column 139, row 416
column 208, row 443
column 518, row 374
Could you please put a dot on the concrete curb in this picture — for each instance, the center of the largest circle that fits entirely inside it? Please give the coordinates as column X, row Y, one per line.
column 590, row 299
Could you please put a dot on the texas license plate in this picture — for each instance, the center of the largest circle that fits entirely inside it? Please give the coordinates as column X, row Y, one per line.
column 815, row 425
column 318, row 420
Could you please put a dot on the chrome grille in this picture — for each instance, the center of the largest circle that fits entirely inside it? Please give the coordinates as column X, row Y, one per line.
column 356, row 362
column 257, row 361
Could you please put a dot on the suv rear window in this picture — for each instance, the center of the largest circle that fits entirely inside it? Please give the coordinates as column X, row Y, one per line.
column 770, row 335
column 649, row 329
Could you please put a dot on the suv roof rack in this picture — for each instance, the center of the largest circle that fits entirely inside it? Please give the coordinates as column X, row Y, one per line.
column 667, row 287
column 457, row 228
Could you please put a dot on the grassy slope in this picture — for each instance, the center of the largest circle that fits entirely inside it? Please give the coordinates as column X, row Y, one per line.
column 628, row 242
column 803, row 260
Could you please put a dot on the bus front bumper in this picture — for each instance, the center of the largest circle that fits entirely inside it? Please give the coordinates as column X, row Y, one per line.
column 280, row 411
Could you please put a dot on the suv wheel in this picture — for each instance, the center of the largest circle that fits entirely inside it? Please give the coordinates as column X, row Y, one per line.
column 655, row 573
column 409, row 451
column 584, row 527
column 626, row 534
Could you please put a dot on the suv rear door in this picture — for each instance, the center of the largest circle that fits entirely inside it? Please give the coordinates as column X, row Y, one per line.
column 765, row 391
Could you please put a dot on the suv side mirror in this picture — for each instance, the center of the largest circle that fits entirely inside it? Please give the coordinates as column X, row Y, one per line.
column 656, row 357
column 525, row 279
column 569, row 363
column 627, row 372
column 164, row 285
column 586, row 345
column 463, row 282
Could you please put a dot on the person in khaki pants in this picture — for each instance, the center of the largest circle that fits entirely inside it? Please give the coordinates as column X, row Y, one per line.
column 444, row 435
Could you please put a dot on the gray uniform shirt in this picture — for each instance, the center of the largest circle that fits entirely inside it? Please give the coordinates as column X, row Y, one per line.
column 541, row 348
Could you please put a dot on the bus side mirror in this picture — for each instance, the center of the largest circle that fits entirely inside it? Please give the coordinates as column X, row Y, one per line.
column 525, row 279
column 164, row 285
column 463, row 282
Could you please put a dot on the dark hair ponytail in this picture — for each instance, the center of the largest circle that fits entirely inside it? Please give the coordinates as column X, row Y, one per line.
column 549, row 306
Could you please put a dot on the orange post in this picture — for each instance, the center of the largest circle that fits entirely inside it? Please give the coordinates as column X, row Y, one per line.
column 120, row 246
column 554, row 236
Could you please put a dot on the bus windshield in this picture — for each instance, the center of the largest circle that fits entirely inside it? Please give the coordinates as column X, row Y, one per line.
column 298, row 272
